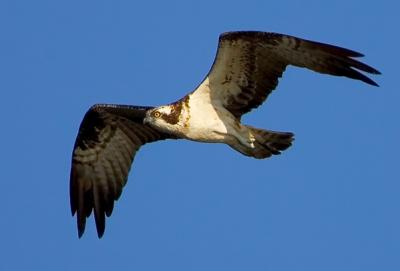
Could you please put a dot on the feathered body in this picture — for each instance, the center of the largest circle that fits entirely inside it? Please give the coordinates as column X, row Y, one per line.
column 246, row 70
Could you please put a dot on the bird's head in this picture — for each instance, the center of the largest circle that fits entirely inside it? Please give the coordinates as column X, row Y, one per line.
column 164, row 118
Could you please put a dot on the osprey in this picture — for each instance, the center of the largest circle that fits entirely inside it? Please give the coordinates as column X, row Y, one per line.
column 246, row 69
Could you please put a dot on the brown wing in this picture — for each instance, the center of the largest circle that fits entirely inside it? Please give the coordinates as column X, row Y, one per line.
column 248, row 65
column 108, row 139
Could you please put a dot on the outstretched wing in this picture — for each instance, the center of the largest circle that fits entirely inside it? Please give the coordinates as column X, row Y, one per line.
column 248, row 65
column 108, row 139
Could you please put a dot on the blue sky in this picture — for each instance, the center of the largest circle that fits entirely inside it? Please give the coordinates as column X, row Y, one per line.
column 330, row 202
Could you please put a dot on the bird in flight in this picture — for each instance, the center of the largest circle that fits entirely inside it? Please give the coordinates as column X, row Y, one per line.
column 246, row 69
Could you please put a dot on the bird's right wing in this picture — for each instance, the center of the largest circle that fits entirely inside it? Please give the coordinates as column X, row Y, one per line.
column 108, row 139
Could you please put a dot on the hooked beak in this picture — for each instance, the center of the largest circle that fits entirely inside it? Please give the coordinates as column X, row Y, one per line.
column 146, row 120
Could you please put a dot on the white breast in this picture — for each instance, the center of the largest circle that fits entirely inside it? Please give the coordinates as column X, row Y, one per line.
column 204, row 119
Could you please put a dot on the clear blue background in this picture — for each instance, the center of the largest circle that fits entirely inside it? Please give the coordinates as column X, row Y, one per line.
column 331, row 202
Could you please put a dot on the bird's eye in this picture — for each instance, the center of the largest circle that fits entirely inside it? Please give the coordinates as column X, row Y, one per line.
column 157, row 114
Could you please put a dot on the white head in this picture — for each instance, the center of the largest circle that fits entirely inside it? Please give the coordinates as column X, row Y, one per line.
column 164, row 118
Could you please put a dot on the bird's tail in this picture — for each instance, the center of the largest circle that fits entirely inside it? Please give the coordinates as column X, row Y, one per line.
column 266, row 143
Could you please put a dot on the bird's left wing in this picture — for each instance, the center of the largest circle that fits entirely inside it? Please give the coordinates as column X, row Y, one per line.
column 248, row 65
column 108, row 139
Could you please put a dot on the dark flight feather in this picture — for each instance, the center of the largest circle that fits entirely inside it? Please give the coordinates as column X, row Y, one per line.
column 107, row 141
column 248, row 65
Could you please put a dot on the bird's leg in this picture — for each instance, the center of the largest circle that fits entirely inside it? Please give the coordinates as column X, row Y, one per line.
column 244, row 136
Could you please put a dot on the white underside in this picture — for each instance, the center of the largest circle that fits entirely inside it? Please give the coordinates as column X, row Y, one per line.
column 205, row 119
column 211, row 122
